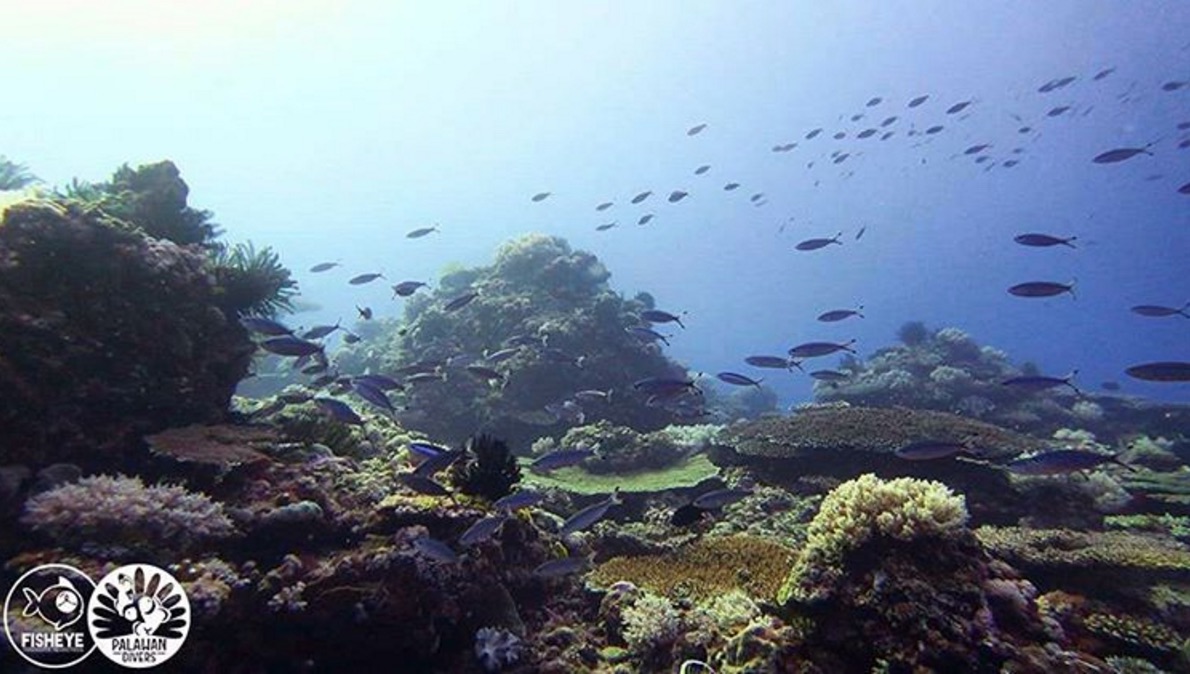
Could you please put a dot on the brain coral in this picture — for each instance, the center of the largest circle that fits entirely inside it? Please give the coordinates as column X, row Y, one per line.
column 862, row 509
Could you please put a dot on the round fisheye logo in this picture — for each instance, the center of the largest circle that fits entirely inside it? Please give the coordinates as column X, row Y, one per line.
column 139, row 616
column 43, row 616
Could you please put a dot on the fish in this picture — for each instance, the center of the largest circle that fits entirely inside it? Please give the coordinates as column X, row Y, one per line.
column 867, row 133
column 647, row 334
column 556, row 568
column 829, row 375
column 957, row 107
column 364, row 278
column 860, row 234
column 659, row 316
column 888, row 121
column 1044, row 240
column 1055, row 84
column 702, row 169
column 589, row 515
column 840, row 136
column 1184, row 189
column 524, row 498
column 815, row 244
column 644, row 219
column 641, row 197
column 372, row 394
column 290, row 346
column 432, row 465
column 422, row 485
column 605, row 227
column 264, row 326
column 423, row 377
column 664, row 386
column 873, row 102
column 1103, row 73
column 937, row 128
column 677, row 195
column 482, row 530
column 1057, row 112
column 856, row 118
column 771, row 362
column 460, row 301
column 591, row 395
column 365, row 313
column 976, row 149
column 421, row 231
column 1062, row 461
column 813, row 134
column 502, row 355
column 541, row 196
column 1041, row 289
column 1009, row 163
column 840, row 314
column 1035, row 383
column 1156, row 311
column 379, row 381
column 815, row 349
column 737, row 379
column 1120, row 154
column 696, row 129
column 339, row 411
column 604, row 206
column 560, row 458
column 324, row 266
column 1163, row 371
column 435, row 550
column 919, row 100
column 1173, row 85
column 732, row 186
column 929, row 450
column 319, row 331
column 406, row 288
column 720, row 498
column 427, row 450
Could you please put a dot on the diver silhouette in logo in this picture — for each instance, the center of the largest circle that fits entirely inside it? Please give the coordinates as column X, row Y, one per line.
column 60, row 605
column 137, row 606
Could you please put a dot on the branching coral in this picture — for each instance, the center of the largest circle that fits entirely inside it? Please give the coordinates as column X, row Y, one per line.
column 903, row 509
column 123, row 512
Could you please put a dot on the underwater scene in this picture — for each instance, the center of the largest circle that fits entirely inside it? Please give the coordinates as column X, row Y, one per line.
column 619, row 338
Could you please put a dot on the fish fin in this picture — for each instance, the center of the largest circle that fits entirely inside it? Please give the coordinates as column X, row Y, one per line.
column 31, row 607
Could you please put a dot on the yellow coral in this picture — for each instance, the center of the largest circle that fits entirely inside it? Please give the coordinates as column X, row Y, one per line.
column 902, row 509
column 704, row 569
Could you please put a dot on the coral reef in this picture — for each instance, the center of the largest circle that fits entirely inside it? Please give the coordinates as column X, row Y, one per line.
column 126, row 517
column 14, row 176
column 857, row 511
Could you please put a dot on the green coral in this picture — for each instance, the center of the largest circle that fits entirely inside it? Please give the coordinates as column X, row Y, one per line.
column 859, row 510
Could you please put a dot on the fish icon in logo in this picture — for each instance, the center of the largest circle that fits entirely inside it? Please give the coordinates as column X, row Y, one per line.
column 59, row 605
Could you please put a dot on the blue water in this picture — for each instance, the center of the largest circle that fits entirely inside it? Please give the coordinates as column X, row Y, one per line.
column 328, row 131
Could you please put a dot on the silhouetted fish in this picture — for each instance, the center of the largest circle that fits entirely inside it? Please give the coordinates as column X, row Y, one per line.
column 1120, row 154
column 934, row 129
column 1157, row 311
column 659, row 316
column 288, row 345
column 1042, row 383
column 460, row 301
column 695, row 130
column 1041, row 289
column 702, row 169
column 1103, row 73
column 323, row 266
column 338, row 410
column 730, row 186
column 406, row 288
column 265, row 326
column 1165, row 371
column 1055, row 84
column 604, row 206
column 589, row 515
column 929, row 450
column 606, row 226
column 1062, row 461
column 644, row 219
column 1043, row 240
column 737, row 379
column 641, row 197
column 541, row 196
column 770, row 362
column 815, row 349
column 840, row 314
column 677, row 195
column 815, row 244
column 813, row 134
column 919, row 100
column 957, row 107
column 420, row 232
column 364, row 278
column 867, row 133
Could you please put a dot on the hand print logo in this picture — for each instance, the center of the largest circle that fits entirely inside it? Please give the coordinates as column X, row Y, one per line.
column 139, row 616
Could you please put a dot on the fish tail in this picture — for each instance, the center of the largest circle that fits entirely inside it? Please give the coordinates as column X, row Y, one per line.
column 1115, row 458
column 31, row 607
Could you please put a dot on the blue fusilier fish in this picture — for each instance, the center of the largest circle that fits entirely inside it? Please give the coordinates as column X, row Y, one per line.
column 1042, row 383
column 815, row 244
column 1062, row 461
column 1043, row 240
column 928, row 450
column 460, row 301
column 737, row 379
column 421, row 231
column 658, row 316
column 435, row 550
column 482, row 530
column 840, row 314
column 426, row 450
column 320, row 331
column 524, row 498
column 664, row 386
column 379, row 381
column 770, row 362
column 422, row 485
column 373, row 395
column 339, row 411
column 560, row 459
column 720, row 498
column 1166, row 371
column 815, row 349
column 323, row 266
column 1158, row 311
column 589, row 515
column 1041, row 289
column 435, row 464
column 364, row 278
column 290, row 346
column 556, row 568
column 646, row 334
column 829, row 375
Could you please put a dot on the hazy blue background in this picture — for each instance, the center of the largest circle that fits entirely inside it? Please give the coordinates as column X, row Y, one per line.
column 328, row 130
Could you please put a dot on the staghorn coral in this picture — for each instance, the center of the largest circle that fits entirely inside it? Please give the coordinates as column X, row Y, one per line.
column 122, row 512
column 903, row 509
column 705, row 569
